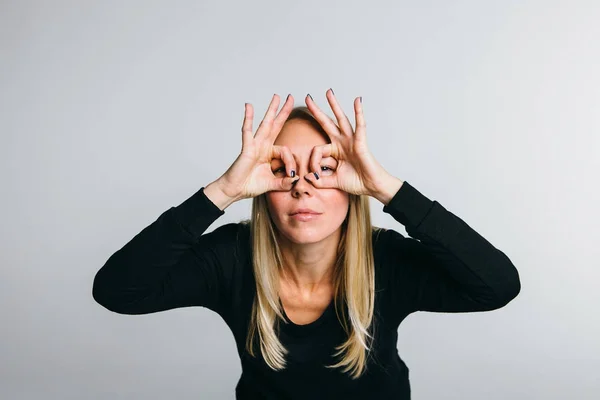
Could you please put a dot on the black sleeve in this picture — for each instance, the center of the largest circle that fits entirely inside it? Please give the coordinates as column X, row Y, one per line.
column 171, row 263
column 445, row 266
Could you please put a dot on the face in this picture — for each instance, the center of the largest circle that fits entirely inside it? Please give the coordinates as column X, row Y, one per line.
column 331, row 204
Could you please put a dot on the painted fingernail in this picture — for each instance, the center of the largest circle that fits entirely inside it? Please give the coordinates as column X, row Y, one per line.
column 316, row 175
column 310, row 96
column 332, row 91
column 293, row 173
column 360, row 99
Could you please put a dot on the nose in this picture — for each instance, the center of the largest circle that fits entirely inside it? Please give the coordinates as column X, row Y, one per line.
column 302, row 186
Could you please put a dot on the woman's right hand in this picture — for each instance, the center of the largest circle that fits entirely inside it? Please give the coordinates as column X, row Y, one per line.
column 250, row 174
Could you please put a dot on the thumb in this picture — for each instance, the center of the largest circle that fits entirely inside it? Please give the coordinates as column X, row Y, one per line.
column 285, row 183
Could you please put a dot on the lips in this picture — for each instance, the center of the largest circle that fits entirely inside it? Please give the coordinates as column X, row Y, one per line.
column 303, row 216
column 304, row 211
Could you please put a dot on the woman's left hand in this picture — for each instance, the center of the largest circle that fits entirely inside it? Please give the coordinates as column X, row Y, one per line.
column 357, row 171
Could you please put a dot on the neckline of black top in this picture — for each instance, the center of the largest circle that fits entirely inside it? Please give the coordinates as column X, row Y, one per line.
column 295, row 329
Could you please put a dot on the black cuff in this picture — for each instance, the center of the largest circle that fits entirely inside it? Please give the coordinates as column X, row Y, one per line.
column 197, row 213
column 408, row 206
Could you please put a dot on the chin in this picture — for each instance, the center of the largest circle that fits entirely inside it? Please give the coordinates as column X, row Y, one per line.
column 303, row 236
column 305, row 233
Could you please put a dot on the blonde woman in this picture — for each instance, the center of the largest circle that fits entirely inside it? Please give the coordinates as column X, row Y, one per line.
column 313, row 293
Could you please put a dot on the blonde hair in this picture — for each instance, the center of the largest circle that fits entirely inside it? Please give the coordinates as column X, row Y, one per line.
column 353, row 280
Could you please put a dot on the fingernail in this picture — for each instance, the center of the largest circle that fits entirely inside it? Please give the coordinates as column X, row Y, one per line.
column 288, row 96
column 293, row 173
column 310, row 96
column 332, row 91
column 360, row 99
column 316, row 175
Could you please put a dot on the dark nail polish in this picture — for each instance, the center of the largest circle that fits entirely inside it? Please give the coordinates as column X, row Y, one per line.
column 310, row 96
column 332, row 91
column 293, row 173
column 316, row 175
column 360, row 99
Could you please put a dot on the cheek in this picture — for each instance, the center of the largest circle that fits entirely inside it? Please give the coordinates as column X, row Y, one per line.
column 274, row 202
column 338, row 204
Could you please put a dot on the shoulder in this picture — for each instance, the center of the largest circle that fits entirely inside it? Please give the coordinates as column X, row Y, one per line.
column 231, row 230
column 384, row 239
column 391, row 245
column 385, row 244
column 225, row 252
column 226, row 241
column 394, row 254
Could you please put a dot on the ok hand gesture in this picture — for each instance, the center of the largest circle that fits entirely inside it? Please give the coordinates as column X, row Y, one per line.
column 357, row 170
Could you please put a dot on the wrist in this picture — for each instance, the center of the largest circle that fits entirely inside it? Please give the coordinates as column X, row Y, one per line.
column 218, row 195
column 387, row 189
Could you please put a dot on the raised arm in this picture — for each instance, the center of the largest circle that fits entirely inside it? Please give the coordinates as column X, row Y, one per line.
column 445, row 266
column 171, row 263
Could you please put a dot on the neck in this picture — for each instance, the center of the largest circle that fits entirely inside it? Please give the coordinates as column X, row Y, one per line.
column 309, row 266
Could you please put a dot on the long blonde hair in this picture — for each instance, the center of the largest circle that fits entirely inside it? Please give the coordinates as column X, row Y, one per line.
column 353, row 280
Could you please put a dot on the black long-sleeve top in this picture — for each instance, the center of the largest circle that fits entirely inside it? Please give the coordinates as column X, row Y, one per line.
column 444, row 266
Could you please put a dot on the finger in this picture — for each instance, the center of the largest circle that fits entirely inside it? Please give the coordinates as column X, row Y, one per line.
column 342, row 118
column 324, row 120
column 281, row 117
column 265, row 125
column 322, row 181
column 276, row 152
column 315, row 159
column 288, row 160
column 319, row 153
column 284, row 153
column 361, row 125
column 247, row 134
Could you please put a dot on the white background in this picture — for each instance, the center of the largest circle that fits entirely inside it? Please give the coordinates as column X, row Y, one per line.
column 113, row 111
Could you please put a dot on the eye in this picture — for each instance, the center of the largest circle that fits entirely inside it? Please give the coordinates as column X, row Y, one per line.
column 323, row 168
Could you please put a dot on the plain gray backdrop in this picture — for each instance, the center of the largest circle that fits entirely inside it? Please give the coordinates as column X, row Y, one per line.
column 111, row 112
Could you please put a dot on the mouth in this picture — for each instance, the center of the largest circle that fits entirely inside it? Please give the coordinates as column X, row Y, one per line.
column 304, row 211
column 305, row 216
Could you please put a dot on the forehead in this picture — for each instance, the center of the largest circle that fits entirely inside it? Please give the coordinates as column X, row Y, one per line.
column 300, row 136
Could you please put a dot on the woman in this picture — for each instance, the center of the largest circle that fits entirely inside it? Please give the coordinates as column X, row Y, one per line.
column 313, row 293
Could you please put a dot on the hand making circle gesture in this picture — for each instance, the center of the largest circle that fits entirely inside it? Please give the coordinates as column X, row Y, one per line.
column 357, row 170
column 250, row 174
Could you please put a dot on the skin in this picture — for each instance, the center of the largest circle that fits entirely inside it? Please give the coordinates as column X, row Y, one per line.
column 309, row 247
